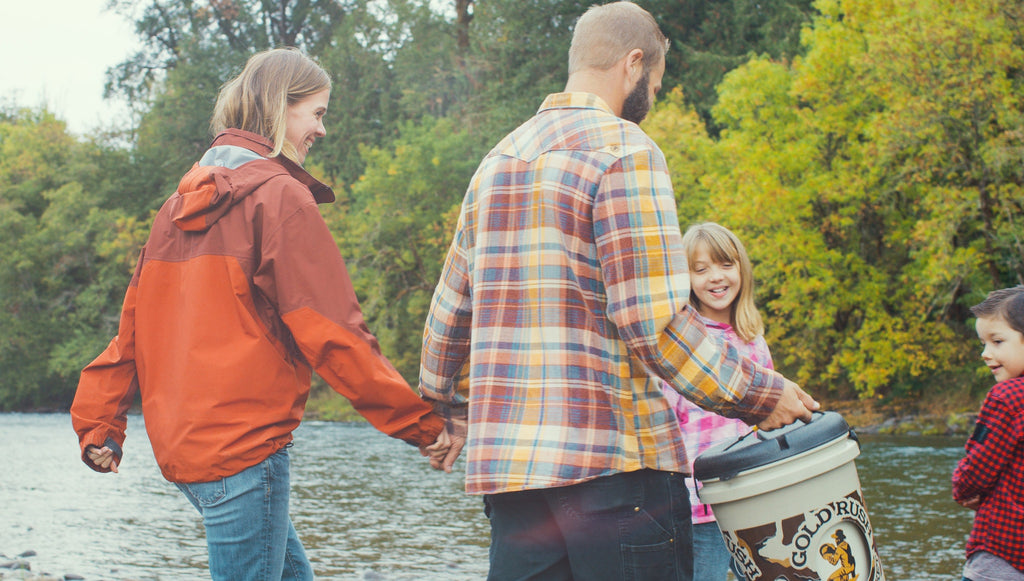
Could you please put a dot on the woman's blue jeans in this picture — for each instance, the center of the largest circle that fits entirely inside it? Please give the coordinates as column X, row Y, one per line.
column 249, row 534
column 631, row 526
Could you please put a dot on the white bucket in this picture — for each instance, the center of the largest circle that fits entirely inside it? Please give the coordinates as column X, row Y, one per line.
column 789, row 503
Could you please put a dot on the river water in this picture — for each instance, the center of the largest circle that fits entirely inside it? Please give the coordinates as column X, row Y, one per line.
column 369, row 508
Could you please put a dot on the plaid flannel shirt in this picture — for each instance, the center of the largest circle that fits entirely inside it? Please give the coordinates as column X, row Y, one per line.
column 564, row 289
column 703, row 429
column 993, row 469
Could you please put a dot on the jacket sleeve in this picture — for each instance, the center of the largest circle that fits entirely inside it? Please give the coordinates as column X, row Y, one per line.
column 108, row 385
column 997, row 435
column 646, row 277
column 302, row 272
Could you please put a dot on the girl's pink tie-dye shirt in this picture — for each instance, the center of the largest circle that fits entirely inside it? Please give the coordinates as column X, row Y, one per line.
column 702, row 429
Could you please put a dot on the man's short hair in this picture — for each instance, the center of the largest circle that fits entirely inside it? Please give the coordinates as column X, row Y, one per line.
column 605, row 34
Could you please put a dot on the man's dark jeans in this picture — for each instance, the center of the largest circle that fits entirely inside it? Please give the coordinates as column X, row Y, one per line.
column 633, row 526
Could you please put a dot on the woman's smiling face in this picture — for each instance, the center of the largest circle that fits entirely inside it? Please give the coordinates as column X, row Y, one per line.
column 305, row 122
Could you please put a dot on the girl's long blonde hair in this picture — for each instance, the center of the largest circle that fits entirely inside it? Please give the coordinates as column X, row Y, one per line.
column 257, row 99
column 724, row 247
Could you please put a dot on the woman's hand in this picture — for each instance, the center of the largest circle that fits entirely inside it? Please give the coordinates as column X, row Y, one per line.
column 102, row 458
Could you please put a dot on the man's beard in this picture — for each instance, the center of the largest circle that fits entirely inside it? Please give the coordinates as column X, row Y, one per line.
column 638, row 102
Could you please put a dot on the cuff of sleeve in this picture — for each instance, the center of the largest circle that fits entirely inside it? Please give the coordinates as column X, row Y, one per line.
column 109, row 443
column 115, row 447
column 456, row 418
column 422, row 433
column 761, row 398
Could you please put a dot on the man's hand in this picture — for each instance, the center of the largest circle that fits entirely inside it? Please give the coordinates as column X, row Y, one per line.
column 444, row 451
column 794, row 405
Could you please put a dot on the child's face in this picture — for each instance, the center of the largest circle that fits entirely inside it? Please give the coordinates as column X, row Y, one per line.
column 1004, row 347
column 715, row 284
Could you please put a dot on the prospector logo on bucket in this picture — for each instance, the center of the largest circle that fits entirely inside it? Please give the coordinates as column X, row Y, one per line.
column 832, row 542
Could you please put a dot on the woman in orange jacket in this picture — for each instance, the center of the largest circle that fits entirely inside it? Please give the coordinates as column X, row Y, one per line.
column 239, row 294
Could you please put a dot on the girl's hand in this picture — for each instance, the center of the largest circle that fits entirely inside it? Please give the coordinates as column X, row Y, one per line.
column 102, row 457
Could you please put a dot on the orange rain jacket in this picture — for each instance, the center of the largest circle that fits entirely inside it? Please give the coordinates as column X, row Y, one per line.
column 239, row 291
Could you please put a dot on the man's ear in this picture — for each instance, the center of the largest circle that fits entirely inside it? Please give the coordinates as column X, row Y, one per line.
column 632, row 69
column 635, row 64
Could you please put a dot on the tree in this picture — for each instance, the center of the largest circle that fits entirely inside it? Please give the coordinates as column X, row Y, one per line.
column 876, row 181
column 709, row 39
column 173, row 33
column 56, row 291
column 517, row 54
column 680, row 132
column 396, row 229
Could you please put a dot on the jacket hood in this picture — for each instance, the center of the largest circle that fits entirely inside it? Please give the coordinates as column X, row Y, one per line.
column 235, row 165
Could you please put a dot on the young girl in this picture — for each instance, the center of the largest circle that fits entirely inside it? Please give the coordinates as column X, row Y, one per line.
column 722, row 290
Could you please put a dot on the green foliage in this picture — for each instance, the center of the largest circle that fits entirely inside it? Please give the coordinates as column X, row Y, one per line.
column 876, row 183
column 709, row 39
column 175, row 131
column 55, row 290
column 366, row 100
column 177, row 33
column 397, row 228
column 519, row 54
column 869, row 153
column 680, row 132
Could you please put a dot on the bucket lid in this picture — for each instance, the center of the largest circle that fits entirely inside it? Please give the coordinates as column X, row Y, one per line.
column 758, row 448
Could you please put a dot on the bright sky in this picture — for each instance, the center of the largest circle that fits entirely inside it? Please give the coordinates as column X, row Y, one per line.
column 56, row 53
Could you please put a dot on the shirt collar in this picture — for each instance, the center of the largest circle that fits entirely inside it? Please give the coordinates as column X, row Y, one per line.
column 575, row 101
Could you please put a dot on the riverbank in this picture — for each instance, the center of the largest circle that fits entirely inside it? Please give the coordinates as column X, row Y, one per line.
column 20, row 569
column 909, row 418
column 939, row 416
column 944, row 415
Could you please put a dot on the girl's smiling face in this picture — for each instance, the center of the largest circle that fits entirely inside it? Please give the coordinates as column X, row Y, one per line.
column 1004, row 347
column 715, row 284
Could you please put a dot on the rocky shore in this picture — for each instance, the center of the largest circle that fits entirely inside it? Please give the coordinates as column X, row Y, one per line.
column 907, row 419
column 20, row 568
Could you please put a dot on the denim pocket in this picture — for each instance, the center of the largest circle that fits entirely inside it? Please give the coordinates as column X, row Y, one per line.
column 655, row 562
column 635, row 512
column 648, row 548
column 207, row 493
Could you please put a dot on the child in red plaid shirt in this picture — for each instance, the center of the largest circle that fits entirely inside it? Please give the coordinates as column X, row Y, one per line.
column 990, row 478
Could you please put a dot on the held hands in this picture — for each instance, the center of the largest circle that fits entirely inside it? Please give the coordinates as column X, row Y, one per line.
column 102, row 458
column 794, row 405
column 444, row 451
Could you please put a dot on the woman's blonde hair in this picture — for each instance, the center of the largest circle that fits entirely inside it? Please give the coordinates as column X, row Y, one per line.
column 605, row 34
column 257, row 99
column 724, row 247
